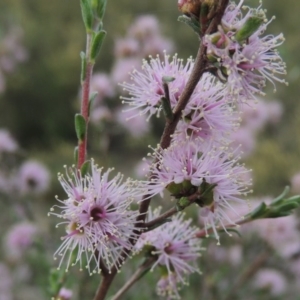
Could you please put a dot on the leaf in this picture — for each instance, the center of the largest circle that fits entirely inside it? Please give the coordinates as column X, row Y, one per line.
column 97, row 42
column 80, row 126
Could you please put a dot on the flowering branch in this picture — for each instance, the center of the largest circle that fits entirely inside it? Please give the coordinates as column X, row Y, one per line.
column 198, row 71
column 165, row 141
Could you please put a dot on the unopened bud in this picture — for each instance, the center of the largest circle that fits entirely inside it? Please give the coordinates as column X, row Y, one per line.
column 190, row 7
column 251, row 25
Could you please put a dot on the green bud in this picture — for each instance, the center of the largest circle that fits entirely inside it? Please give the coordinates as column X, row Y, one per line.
column 251, row 25
column 206, row 194
column 85, row 168
column 167, row 79
column 83, row 66
column 87, row 14
column 183, row 188
column 182, row 203
column 80, row 126
column 97, row 43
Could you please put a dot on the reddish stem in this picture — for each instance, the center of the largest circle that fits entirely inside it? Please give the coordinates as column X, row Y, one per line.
column 82, row 145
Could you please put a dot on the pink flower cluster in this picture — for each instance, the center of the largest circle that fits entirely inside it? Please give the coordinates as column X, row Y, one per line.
column 242, row 57
column 176, row 248
column 97, row 218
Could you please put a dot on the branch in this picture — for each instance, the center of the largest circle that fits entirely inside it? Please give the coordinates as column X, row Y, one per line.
column 140, row 272
column 165, row 215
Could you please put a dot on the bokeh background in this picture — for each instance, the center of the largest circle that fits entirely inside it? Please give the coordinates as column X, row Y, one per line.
column 40, row 42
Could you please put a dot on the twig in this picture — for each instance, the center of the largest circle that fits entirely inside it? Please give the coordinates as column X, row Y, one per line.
column 140, row 272
column 165, row 215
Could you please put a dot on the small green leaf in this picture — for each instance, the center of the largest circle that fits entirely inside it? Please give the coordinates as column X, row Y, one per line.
column 97, row 43
column 251, row 25
column 87, row 14
column 279, row 199
column 83, row 66
column 80, row 126
column 192, row 22
column 85, row 168
column 295, row 199
column 259, row 211
column 101, row 8
column 56, row 281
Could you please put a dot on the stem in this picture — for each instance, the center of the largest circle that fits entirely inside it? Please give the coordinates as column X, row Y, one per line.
column 165, row 215
column 165, row 141
column 104, row 286
column 139, row 273
column 82, row 145
column 192, row 198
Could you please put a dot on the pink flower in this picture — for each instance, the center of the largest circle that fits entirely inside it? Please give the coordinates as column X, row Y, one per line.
column 144, row 27
column 136, row 126
column 175, row 246
column 207, row 115
column 33, row 178
column 272, row 280
column 126, row 47
column 65, row 294
column 188, row 168
column 97, row 217
column 7, row 143
column 19, row 238
column 146, row 89
column 245, row 65
column 167, row 286
column 122, row 68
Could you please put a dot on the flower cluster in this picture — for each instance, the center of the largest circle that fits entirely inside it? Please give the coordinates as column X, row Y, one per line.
column 176, row 249
column 97, row 217
column 210, row 176
column 241, row 56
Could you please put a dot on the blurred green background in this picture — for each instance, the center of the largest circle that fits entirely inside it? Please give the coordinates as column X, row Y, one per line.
column 41, row 96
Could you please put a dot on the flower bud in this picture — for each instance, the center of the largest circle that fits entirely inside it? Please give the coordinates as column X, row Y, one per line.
column 251, row 25
column 190, row 7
